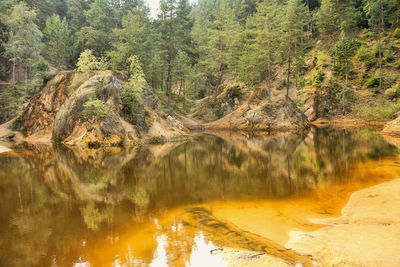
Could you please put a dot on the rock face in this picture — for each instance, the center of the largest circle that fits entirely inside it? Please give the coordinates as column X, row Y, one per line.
column 213, row 108
column 58, row 113
column 281, row 114
column 392, row 128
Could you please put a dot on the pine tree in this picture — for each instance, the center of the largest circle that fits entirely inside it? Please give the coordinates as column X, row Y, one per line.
column 344, row 50
column 58, row 41
column 377, row 11
column 262, row 40
column 131, row 39
column 294, row 23
column 335, row 16
column 24, row 42
column 223, row 33
column 168, row 21
column 101, row 19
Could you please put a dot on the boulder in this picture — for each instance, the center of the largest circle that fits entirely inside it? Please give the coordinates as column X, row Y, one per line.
column 280, row 114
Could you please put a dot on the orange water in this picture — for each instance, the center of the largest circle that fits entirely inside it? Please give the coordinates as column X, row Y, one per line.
column 66, row 206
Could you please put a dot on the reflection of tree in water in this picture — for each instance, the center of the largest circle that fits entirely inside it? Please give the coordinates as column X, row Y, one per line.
column 55, row 197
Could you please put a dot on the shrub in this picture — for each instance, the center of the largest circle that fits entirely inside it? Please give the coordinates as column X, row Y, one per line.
column 396, row 33
column 397, row 64
column 388, row 54
column 372, row 82
column 318, row 78
column 132, row 109
column 281, row 84
column 234, row 91
column 367, row 56
column 94, row 108
column 393, row 92
column 87, row 62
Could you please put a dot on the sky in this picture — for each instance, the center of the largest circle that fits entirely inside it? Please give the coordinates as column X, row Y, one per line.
column 153, row 4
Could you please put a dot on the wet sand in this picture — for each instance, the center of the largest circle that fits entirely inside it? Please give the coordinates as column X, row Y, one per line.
column 367, row 233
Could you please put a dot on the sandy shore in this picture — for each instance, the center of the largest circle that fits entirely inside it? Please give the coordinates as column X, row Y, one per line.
column 367, row 233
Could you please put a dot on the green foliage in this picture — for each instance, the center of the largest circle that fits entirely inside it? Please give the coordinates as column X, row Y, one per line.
column 281, row 84
column 136, row 81
column 396, row 33
column 101, row 20
column 343, row 51
column 331, row 99
column 58, row 41
column 318, row 78
column 24, row 41
column 134, row 38
column 94, row 108
column 10, row 102
column 393, row 92
column 378, row 110
column 372, row 82
column 367, row 56
column 334, row 17
column 87, row 62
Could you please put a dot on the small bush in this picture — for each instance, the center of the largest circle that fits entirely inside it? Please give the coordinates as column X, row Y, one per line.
column 94, row 108
column 393, row 92
column 87, row 62
column 372, row 82
column 281, row 84
column 396, row 33
column 318, row 78
column 234, row 91
column 397, row 64
column 388, row 54
column 367, row 56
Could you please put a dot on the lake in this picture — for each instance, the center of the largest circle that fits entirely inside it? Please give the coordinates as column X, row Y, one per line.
column 179, row 203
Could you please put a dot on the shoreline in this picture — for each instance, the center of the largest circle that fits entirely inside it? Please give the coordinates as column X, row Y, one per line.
column 365, row 234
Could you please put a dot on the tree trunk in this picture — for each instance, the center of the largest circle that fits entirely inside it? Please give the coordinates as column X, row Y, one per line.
column 380, row 45
column 344, row 90
column 297, row 64
column 170, row 58
column 288, row 72
column 269, row 69
column 13, row 70
column 220, row 59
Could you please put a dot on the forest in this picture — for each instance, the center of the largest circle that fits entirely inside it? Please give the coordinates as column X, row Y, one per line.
column 322, row 49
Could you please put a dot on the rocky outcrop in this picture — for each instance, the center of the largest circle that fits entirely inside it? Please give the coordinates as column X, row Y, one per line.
column 280, row 114
column 392, row 128
column 61, row 112
column 213, row 107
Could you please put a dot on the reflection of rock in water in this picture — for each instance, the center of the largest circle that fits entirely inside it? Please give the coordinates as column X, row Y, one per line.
column 228, row 235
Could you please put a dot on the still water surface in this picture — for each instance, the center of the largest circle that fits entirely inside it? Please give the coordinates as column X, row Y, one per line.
column 171, row 204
